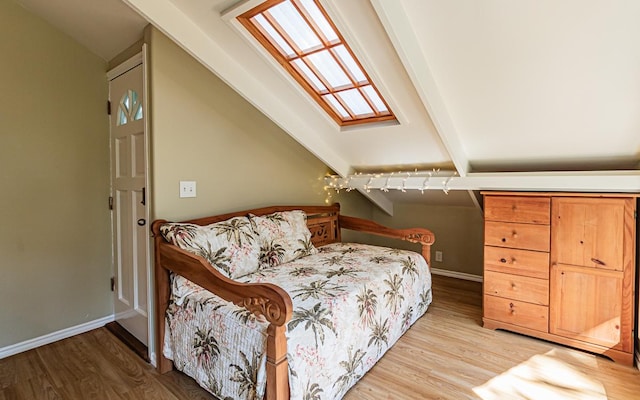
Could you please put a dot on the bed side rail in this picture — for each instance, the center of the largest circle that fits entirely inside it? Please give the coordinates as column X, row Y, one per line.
column 422, row 236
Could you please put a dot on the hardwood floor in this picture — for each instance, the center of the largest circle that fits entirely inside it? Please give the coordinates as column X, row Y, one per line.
column 445, row 355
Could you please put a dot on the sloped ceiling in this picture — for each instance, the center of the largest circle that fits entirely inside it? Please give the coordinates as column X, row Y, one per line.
column 531, row 84
column 549, row 89
column 106, row 27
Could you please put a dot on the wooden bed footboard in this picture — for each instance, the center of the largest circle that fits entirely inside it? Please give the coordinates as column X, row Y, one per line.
column 264, row 299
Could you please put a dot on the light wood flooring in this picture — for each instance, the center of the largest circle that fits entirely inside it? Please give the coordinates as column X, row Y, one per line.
column 445, row 355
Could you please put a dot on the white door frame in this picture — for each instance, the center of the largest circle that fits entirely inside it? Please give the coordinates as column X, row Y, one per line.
column 141, row 58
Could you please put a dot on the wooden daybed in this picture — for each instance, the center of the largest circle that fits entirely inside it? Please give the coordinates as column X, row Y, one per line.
column 271, row 301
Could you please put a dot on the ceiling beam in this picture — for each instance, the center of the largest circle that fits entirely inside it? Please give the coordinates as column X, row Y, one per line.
column 398, row 27
column 568, row 181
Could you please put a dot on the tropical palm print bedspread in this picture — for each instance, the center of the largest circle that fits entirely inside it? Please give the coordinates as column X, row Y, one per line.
column 220, row 345
column 351, row 303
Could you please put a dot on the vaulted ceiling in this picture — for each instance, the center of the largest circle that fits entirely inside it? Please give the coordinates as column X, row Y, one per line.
column 531, row 95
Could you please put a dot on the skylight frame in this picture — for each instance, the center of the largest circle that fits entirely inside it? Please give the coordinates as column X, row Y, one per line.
column 287, row 56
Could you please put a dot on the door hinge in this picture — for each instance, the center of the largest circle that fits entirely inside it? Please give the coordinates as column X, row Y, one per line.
column 108, row 107
column 110, row 202
column 113, row 284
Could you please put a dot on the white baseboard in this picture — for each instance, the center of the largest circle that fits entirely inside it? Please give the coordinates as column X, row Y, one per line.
column 54, row 336
column 456, row 274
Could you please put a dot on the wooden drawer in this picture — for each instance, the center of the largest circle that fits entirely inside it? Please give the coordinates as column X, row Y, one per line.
column 519, row 236
column 525, row 210
column 514, row 261
column 515, row 312
column 516, row 287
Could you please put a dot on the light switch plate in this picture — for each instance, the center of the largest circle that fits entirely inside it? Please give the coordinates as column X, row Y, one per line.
column 187, row 189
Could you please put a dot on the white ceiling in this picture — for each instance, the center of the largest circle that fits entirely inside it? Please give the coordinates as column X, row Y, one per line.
column 482, row 86
column 542, row 81
column 106, row 27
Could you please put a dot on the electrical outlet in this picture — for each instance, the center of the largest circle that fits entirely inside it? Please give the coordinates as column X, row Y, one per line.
column 187, row 188
column 438, row 256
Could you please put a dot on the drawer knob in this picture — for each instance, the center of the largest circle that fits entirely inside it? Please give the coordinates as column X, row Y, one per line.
column 503, row 260
column 514, row 234
column 513, row 285
column 511, row 305
column 513, row 260
column 504, row 240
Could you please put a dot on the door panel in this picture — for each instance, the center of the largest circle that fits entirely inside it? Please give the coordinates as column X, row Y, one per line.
column 586, row 304
column 591, row 232
column 131, row 233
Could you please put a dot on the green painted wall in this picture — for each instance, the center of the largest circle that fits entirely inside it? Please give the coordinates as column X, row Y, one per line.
column 458, row 231
column 55, row 251
column 203, row 131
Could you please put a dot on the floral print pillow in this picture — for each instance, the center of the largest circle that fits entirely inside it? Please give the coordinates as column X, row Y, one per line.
column 283, row 237
column 230, row 246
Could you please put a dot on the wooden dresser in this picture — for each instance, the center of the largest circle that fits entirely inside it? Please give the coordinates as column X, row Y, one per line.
column 561, row 267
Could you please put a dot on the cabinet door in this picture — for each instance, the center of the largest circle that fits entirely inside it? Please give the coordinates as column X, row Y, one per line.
column 587, row 304
column 588, row 232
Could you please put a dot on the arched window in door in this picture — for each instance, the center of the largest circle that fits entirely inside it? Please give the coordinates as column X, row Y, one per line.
column 129, row 108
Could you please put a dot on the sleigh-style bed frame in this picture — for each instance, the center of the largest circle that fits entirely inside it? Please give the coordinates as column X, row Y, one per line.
column 271, row 301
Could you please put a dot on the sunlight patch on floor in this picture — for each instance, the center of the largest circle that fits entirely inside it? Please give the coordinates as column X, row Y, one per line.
column 543, row 376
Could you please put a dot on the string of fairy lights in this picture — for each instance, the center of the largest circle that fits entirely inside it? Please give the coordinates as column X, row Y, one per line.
column 402, row 181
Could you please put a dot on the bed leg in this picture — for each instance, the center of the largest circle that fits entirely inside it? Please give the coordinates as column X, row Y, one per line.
column 426, row 253
column 164, row 365
column 277, row 365
column 163, row 289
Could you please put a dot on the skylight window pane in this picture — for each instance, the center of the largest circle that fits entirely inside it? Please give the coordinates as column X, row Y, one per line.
column 324, row 62
column 336, row 106
column 288, row 17
column 309, row 75
column 375, row 99
column 300, row 35
column 350, row 63
column 322, row 23
column 272, row 34
column 355, row 101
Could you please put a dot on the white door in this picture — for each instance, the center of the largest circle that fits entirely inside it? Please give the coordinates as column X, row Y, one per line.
column 130, row 208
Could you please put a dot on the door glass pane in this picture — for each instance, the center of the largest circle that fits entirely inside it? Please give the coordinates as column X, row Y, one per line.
column 129, row 108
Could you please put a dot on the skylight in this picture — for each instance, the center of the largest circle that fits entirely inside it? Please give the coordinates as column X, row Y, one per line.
column 304, row 40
